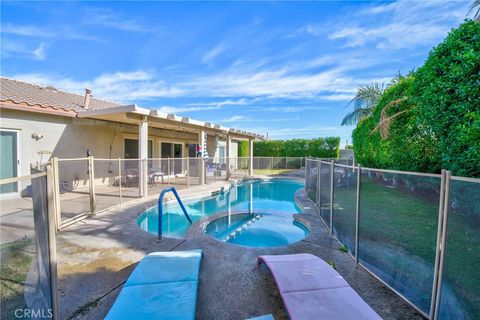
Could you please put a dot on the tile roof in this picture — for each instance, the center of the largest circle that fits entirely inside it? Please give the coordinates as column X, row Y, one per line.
column 47, row 97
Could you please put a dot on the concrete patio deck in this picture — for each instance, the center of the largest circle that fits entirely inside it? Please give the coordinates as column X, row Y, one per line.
column 96, row 255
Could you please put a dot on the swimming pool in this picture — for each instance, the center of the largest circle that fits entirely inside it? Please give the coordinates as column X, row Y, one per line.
column 266, row 196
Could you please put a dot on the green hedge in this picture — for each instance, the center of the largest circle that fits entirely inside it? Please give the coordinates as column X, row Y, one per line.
column 243, row 148
column 441, row 124
column 320, row 147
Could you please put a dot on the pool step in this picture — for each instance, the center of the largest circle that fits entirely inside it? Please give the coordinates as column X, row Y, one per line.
column 244, row 226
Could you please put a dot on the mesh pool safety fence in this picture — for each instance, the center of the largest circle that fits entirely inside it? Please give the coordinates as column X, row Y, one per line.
column 395, row 225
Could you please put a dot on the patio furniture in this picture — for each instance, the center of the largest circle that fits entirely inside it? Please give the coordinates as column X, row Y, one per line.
column 153, row 175
column 312, row 289
column 162, row 286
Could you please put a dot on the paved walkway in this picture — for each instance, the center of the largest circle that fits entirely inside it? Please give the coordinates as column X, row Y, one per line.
column 97, row 255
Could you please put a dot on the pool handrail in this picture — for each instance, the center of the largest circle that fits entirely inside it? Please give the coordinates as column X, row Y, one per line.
column 160, row 209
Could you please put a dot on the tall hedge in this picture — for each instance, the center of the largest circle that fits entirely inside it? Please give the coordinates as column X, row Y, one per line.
column 440, row 127
column 243, row 148
column 320, row 147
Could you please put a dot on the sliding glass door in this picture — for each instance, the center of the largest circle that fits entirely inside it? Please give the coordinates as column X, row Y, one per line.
column 174, row 151
column 9, row 160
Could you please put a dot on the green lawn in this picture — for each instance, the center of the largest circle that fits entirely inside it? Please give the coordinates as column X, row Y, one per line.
column 16, row 260
column 398, row 236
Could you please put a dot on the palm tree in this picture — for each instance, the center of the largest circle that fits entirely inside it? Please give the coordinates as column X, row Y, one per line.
column 364, row 101
column 475, row 7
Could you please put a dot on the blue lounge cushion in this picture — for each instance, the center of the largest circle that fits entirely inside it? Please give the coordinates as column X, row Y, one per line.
column 170, row 300
column 161, row 267
column 162, row 286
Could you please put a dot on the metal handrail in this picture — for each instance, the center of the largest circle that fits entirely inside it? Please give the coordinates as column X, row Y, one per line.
column 160, row 209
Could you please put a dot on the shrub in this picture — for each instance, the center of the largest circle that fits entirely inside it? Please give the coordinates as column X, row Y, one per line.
column 243, row 148
column 440, row 124
column 320, row 147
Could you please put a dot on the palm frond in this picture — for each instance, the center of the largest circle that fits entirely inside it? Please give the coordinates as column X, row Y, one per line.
column 475, row 7
column 365, row 100
column 354, row 116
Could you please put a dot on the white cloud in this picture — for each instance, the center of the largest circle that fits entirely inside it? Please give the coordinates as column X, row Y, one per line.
column 110, row 19
column 406, row 24
column 39, row 52
column 121, row 87
column 203, row 106
column 211, row 55
column 229, row 102
column 19, row 49
column 171, row 109
column 236, row 119
column 276, row 83
column 292, row 109
column 45, row 32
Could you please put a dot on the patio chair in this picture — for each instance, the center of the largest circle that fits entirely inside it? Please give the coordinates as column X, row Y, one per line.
column 312, row 289
column 162, row 286
column 153, row 175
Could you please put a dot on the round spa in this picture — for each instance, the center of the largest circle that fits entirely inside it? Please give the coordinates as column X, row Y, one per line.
column 257, row 229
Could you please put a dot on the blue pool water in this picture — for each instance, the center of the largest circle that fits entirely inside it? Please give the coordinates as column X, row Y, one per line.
column 257, row 230
column 267, row 197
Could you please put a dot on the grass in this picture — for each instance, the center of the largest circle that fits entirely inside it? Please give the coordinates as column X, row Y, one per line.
column 395, row 225
column 16, row 259
column 272, row 171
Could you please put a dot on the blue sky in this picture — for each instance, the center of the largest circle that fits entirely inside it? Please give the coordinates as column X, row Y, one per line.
column 283, row 68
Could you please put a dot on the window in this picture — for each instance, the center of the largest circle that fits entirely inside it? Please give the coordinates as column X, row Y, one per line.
column 131, row 149
column 222, row 155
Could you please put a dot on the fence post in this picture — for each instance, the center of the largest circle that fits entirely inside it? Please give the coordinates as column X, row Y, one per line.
column 331, row 197
column 357, row 214
column 441, row 242
column 306, row 179
column 52, row 230
column 56, row 194
column 91, row 182
column 168, row 170
column 120, row 180
column 319, row 175
column 188, row 172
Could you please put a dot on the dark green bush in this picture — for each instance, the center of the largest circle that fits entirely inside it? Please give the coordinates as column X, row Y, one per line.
column 441, row 125
column 320, row 147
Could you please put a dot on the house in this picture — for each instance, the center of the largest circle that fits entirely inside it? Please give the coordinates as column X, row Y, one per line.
column 41, row 122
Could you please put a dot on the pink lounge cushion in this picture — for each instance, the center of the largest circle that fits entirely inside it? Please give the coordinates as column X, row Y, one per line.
column 312, row 289
column 305, row 273
column 331, row 304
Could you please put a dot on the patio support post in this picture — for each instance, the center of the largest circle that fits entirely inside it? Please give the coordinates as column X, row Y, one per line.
column 331, row 196
column 357, row 214
column 250, row 154
column 441, row 242
column 229, row 142
column 91, row 181
column 201, row 163
column 142, row 156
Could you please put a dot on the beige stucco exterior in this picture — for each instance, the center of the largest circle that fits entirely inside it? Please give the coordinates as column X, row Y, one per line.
column 70, row 137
